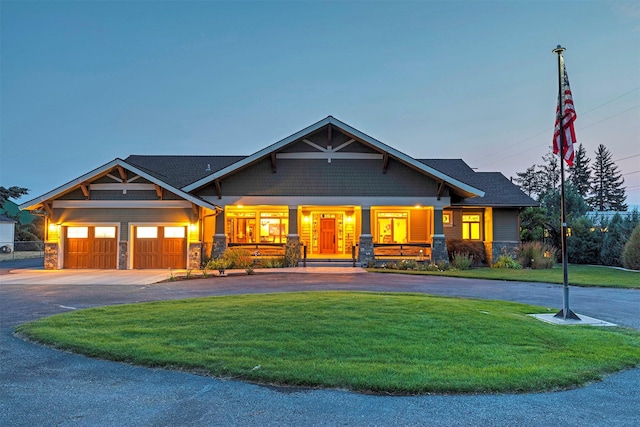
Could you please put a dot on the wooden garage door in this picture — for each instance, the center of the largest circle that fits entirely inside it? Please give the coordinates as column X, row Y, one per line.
column 160, row 247
column 90, row 247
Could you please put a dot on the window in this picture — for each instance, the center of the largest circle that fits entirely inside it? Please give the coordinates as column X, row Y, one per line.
column 392, row 227
column 146, row 232
column 250, row 225
column 105, row 232
column 447, row 218
column 174, row 232
column 77, row 232
column 471, row 227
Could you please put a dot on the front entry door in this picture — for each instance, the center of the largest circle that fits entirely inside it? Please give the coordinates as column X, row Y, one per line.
column 327, row 236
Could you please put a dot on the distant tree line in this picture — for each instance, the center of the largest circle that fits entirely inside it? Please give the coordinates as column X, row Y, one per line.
column 595, row 238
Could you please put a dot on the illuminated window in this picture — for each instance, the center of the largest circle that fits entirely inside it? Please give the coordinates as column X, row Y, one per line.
column 77, row 232
column 447, row 218
column 146, row 232
column 471, row 227
column 174, row 232
column 392, row 227
column 249, row 225
column 105, row 232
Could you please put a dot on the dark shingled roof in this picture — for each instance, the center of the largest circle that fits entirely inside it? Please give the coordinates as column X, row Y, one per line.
column 179, row 171
column 499, row 191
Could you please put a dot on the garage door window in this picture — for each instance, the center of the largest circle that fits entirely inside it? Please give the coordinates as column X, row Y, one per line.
column 105, row 232
column 174, row 232
column 147, row 232
column 77, row 232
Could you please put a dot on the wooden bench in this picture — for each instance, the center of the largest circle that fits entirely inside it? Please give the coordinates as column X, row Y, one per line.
column 417, row 251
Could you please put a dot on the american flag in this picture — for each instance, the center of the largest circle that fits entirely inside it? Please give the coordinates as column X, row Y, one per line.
column 568, row 117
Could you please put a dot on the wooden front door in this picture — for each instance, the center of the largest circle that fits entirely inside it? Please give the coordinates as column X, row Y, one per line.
column 327, row 236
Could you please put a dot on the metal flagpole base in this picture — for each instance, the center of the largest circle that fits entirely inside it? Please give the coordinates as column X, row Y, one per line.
column 570, row 315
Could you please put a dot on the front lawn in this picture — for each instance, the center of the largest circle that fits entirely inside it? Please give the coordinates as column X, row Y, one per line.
column 579, row 275
column 386, row 343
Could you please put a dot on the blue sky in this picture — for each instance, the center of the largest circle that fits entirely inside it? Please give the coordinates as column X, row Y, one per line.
column 85, row 82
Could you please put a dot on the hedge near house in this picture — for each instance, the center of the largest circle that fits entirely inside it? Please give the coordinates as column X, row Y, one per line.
column 631, row 253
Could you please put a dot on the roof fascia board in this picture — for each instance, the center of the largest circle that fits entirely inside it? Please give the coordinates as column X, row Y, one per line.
column 32, row 204
column 345, row 127
column 408, row 159
column 257, row 155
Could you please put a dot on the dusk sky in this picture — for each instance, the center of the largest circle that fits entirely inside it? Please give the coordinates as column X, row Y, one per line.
column 85, row 82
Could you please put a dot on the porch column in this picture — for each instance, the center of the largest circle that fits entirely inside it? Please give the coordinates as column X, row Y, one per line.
column 438, row 242
column 292, row 250
column 219, row 237
column 365, row 251
column 52, row 248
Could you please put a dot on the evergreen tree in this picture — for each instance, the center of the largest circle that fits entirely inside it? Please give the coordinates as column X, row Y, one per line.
column 631, row 253
column 529, row 181
column 607, row 186
column 580, row 174
column 583, row 245
column 613, row 243
column 550, row 173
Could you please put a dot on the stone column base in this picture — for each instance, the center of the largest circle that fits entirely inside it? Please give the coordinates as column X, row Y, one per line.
column 439, row 248
column 51, row 255
column 123, row 255
column 195, row 256
column 219, row 245
column 366, row 255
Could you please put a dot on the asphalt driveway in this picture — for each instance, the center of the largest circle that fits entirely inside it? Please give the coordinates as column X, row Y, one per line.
column 40, row 386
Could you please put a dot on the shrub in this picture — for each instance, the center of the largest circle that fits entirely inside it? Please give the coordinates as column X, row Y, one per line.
column 536, row 255
column 462, row 261
column 475, row 250
column 237, row 258
column 583, row 245
column 272, row 262
column 631, row 253
column 407, row 264
column 505, row 261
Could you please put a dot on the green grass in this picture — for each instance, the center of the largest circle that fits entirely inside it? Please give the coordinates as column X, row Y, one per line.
column 579, row 275
column 368, row 342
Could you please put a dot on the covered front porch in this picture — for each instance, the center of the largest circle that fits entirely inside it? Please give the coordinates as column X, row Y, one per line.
column 331, row 232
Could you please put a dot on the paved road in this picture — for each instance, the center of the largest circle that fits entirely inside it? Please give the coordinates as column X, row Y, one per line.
column 40, row 386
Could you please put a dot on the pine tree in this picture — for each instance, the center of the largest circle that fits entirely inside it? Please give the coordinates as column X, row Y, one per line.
column 529, row 181
column 607, row 186
column 580, row 174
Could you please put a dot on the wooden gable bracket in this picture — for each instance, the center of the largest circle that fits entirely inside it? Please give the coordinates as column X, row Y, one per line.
column 85, row 190
column 273, row 162
column 122, row 173
column 329, row 133
column 385, row 162
column 48, row 209
column 196, row 212
column 218, row 188
column 158, row 191
column 440, row 189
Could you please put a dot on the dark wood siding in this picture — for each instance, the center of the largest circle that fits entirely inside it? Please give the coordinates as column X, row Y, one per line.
column 506, row 227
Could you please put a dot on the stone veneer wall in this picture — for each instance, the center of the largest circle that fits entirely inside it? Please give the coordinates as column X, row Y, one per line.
column 219, row 245
column 439, row 249
column 195, row 256
column 495, row 249
column 51, row 254
column 365, row 250
column 123, row 255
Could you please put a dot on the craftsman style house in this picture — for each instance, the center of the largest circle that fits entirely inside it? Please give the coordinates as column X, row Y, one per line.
column 329, row 188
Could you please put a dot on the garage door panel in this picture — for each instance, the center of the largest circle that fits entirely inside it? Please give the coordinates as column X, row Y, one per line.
column 159, row 252
column 88, row 251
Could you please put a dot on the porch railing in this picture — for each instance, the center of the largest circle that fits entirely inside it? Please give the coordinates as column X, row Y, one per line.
column 419, row 251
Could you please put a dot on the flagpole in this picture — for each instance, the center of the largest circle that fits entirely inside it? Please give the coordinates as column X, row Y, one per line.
column 565, row 313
